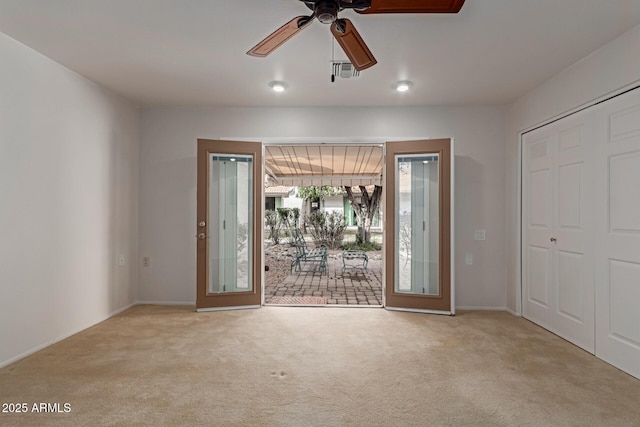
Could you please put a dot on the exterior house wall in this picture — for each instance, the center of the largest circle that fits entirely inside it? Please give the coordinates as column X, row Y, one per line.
column 292, row 202
column 333, row 204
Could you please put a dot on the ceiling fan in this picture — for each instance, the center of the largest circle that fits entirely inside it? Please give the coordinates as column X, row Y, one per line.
column 326, row 11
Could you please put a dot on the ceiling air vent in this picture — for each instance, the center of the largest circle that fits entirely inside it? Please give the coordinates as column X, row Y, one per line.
column 344, row 70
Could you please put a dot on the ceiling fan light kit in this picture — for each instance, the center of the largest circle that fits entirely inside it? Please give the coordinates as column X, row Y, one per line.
column 345, row 33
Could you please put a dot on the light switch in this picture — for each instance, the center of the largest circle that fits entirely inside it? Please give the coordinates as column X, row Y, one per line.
column 468, row 259
column 479, row 235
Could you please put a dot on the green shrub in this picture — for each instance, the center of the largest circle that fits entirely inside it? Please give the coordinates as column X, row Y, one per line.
column 294, row 216
column 326, row 228
column 367, row 246
column 273, row 225
column 280, row 223
column 288, row 219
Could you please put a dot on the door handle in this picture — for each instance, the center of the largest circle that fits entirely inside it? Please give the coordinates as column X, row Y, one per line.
column 553, row 239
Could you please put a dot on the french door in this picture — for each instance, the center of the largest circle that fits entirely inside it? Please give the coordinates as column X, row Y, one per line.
column 229, row 224
column 417, row 235
column 417, row 211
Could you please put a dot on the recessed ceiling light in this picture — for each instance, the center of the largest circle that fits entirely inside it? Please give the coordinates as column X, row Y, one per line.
column 403, row 86
column 278, row 86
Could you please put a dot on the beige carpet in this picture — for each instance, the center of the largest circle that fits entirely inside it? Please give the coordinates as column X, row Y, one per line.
column 318, row 366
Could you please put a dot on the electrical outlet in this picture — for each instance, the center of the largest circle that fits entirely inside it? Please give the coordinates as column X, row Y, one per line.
column 468, row 259
column 121, row 260
column 479, row 235
column 146, row 261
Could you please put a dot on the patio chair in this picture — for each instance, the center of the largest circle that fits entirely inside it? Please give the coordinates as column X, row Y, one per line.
column 305, row 259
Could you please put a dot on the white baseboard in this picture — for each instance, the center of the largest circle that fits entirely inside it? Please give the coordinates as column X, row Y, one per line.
column 513, row 313
column 470, row 308
column 62, row 337
column 187, row 303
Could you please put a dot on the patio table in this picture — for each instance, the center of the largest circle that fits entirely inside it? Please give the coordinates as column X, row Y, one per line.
column 358, row 256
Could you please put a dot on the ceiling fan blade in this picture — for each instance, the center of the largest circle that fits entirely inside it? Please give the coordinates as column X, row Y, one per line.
column 352, row 44
column 414, row 6
column 280, row 36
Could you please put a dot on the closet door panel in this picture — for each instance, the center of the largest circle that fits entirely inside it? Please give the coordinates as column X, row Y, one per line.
column 618, row 233
column 557, row 220
column 573, row 231
column 538, row 289
column 570, row 285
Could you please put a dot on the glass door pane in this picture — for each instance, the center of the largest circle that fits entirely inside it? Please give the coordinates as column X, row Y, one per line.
column 418, row 202
column 417, row 224
column 230, row 211
column 229, row 224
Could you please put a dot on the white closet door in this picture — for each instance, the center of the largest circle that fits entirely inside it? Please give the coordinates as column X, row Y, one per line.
column 537, row 208
column 618, row 233
column 558, row 272
column 574, row 317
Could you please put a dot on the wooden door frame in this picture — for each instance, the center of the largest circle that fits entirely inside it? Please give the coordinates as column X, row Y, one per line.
column 244, row 300
column 233, row 300
column 440, row 304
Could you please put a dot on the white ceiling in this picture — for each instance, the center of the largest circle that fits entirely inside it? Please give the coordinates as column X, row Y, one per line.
column 192, row 52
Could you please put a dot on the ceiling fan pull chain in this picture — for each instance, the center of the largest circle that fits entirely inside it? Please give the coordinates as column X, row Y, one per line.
column 333, row 60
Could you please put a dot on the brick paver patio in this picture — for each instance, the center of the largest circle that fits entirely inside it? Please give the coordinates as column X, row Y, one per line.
column 354, row 286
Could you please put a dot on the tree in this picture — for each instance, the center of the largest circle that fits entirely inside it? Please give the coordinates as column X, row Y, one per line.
column 314, row 192
column 364, row 210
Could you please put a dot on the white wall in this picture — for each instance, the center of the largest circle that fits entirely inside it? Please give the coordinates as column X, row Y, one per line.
column 333, row 203
column 68, row 201
column 292, row 202
column 606, row 71
column 168, row 182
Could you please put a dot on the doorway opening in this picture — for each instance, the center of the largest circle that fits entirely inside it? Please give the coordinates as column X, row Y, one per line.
column 323, row 234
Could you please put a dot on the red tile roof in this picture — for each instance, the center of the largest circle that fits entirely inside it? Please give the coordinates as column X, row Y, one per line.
column 277, row 190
